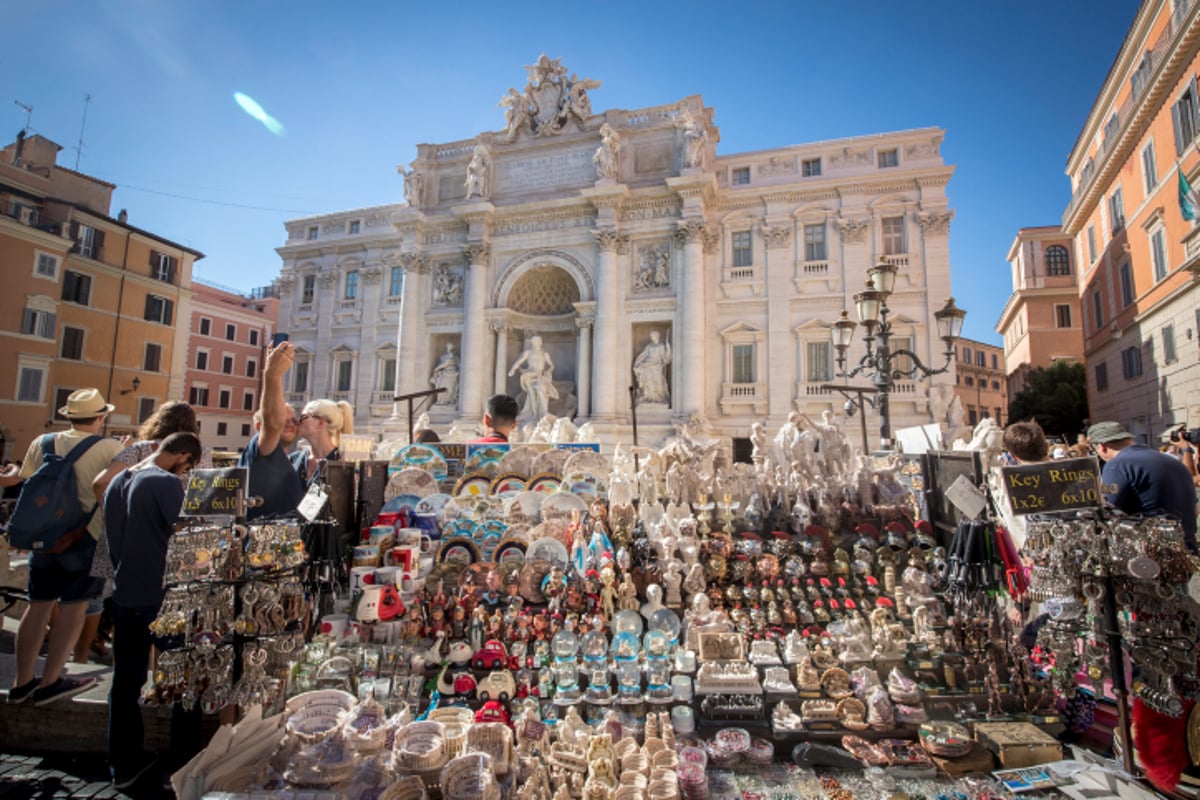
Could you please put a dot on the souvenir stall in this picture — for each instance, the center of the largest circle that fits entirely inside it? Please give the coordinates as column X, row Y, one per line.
column 542, row 621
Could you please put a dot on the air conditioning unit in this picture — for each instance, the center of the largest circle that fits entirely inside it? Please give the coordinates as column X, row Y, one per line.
column 27, row 215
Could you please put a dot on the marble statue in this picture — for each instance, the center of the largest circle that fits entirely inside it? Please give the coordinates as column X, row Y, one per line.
column 447, row 286
column 537, row 379
column 479, row 170
column 605, row 158
column 650, row 371
column 413, row 181
column 516, row 114
column 549, row 102
column 695, row 137
column 445, row 376
column 654, row 270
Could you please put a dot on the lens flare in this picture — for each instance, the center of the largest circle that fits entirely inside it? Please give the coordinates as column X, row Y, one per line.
column 251, row 107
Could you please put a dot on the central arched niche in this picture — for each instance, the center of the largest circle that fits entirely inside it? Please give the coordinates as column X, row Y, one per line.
column 546, row 290
column 541, row 303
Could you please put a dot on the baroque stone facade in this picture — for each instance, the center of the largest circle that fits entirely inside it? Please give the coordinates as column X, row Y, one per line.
column 607, row 233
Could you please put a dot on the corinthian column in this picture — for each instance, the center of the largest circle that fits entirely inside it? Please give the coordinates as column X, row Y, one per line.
column 500, row 379
column 690, row 351
column 583, row 381
column 608, row 317
column 408, row 334
column 474, row 355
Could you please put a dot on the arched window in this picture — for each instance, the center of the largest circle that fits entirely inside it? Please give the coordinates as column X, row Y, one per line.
column 1058, row 262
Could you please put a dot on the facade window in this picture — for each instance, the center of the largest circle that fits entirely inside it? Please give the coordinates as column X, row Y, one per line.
column 972, row 415
column 202, row 359
column 253, row 336
column 72, row 343
column 300, row 377
column 996, row 388
column 810, row 167
column 1183, row 118
column 1168, row 339
column 308, row 289
column 980, row 358
column 146, row 408
column 152, row 358
column 1110, row 127
column 387, row 375
column 351, row 288
column 311, row 234
column 903, row 362
column 1097, row 308
column 222, row 428
column 820, row 361
column 248, row 401
column 230, row 332
column 1091, row 240
column 205, row 326
column 354, row 227
column 743, row 255
column 1062, row 316
column 966, row 354
column 1058, row 261
column 1158, row 253
column 30, row 383
column 77, row 288
column 893, row 236
column 162, row 267
column 344, row 375
column 198, row 396
column 159, row 309
column 227, row 365
column 743, row 363
column 396, row 282
column 889, row 158
column 1116, row 212
column 223, row 398
column 970, row 381
column 1101, row 376
column 245, row 429
column 1126, row 274
column 814, row 242
column 251, row 368
column 45, row 265
column 995, row 362
column 89, row 242
column 1131, row 362
column 740, row 176
column 1149, row 168
column 37, row 322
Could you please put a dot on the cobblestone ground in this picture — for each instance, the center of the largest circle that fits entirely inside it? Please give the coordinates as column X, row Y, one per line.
column 50, row 777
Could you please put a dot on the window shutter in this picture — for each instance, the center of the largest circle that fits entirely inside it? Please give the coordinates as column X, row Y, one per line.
column 149, row 314
column 168, row 308
column 170, row 269
column 1195, row 106
column 154, row 257
column 73, row 231
column 97, row 244
column 68, row 289
column 27, row 322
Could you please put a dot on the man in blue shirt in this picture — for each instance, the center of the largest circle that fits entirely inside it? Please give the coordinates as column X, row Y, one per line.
column 1147, row 481
column 141, row 507
column 274, row 475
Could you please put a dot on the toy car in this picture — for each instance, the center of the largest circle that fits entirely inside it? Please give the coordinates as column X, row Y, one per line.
column 498, row 684
column 491, row 656
column 492, row 711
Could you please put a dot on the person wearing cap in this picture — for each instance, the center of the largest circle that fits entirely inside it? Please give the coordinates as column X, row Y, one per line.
column 1145, row 480
column 62, row 579
column 322, row 423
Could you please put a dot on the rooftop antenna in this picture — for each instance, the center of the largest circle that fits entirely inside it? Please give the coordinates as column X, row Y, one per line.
column 87, row 98
column 28, row 115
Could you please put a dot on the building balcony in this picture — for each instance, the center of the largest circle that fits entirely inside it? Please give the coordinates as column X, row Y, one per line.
column 745, row 397
column 741, row 282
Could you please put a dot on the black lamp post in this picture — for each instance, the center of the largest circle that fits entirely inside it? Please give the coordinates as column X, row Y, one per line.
column 878, row 363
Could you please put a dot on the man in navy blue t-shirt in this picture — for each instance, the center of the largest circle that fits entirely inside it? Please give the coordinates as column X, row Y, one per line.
column 274, row 475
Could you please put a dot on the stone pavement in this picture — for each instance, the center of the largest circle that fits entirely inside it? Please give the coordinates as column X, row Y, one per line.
column 64, row 776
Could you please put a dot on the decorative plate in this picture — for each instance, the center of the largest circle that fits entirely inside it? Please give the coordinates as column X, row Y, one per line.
column 411, row 480
column 509, row 483
column 524, row 508
column 551, row 461
column 551, row 529
column 433, row 504
column 419, row 455
column 484, row 459
column 583, row 484
column 532, row 574
column 518, row 532
column 544, row 483
column 469, row 506
column 459, row 550
column 586, row 461
column 400, row 501
column 563, row 505
column 510, row 552
column 548, row 549
column 474, row 484
column 519, row 460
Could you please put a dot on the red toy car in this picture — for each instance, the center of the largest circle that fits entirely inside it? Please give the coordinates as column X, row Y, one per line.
column 492, row 655
column 492, row 711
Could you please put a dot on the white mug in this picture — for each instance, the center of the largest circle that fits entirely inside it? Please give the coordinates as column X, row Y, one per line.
column 335, row 625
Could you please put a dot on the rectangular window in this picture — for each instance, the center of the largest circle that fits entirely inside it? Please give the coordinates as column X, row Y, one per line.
column 72, row 343
column 1158, row 253
column 903, row 362
column 162, row 267
column 1126, row 273
column 820, row 362
column 198, row 396
column 230, row 332
column 893, row 236
column 76, row 288
column 158, row 309
column 970, row 380
column 966, row 354
column 345, row 370
column 351, row 289
column 1131, row 362
column 245, row 429
column 1098, row 308
column 889, row 158
column 89, row 242
column 743, row 255
column 254, row 337
column 814, row 242
column 740, row 176
column 1091, row 240
column 1183, row 118
column 251, row 368
column 227, row 365
column 223, row 398
column 743, row 363
column 29, row 386
column 248, row 401
column 300, row 377
column 1062, row 316
column 146, row 408
column 387, row 375
column 996, row 388
column 995, row 362
column 308, row 288
column 202, row 359
column 46, row 266
column 152, row 358
column 810, row 168
column 1110, row 127
column 38, row 323
column 205, row 326
column 312, row 232
column 1116, row 212
column 972, row 415
column 1101, row 376
column 980, row 358
column 222, row 428
column 354, row 227
column 1168, row 337
column 396, row 282
column 1149, row 168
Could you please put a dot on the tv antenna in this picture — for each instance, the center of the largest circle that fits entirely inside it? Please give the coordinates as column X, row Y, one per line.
column 28, row 115
column 87, row 98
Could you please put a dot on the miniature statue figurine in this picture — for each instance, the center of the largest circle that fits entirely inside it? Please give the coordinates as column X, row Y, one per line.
column 653, row 602
column 554, row 585
column 672, row 580
column 477, row 628
column 992, row 682
column 627, row 594
column 608, row 591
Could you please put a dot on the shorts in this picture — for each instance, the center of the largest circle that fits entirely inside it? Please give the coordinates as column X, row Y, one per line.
column 95, row 604
column 65, row 577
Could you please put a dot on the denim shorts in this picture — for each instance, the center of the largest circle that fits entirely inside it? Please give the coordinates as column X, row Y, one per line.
column 65, row 577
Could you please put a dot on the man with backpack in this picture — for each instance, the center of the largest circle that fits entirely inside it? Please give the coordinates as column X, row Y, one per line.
column 55, row 519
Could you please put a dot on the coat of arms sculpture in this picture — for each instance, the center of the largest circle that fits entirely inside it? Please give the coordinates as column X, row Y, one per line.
column 550, row 102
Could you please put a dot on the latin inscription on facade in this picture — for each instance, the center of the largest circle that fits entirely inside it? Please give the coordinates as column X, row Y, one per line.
column 538, row 172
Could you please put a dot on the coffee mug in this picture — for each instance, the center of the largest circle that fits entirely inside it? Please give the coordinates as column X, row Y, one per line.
column 387, row 576
column 361, row 577
column 382, row 536
column 335, row 625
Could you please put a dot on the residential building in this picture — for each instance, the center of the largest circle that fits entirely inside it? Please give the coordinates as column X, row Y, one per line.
column 1040, row 322
column 1139, row 253
column 980, row 382
column 227, row 348
column 609, row 236
column 90, row 300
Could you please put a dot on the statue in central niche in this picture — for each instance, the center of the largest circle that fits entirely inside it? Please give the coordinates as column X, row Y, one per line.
column 537, row 379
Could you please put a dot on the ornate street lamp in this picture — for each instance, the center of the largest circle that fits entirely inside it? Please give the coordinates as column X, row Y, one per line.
column 878, row 363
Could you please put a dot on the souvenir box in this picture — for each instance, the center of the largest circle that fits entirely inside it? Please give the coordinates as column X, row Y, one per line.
column 1018, row 744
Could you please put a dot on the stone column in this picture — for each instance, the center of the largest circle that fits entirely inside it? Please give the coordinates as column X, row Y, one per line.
column 608, row 316
column 690, row 350
column 500, row 381
column 583, row 361
column 474, row 356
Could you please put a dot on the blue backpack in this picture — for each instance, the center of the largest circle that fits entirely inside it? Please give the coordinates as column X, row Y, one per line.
column 48, row 509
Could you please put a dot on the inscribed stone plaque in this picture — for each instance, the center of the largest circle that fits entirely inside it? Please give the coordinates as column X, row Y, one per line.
column 452, row 187
column 545, row 172
column 652, row 158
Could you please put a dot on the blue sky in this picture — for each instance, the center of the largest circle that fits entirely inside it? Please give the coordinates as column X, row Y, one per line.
column 357, row 86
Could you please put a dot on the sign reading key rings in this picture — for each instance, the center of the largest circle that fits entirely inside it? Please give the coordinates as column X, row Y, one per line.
column 1063, row 485
column 215, row 492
